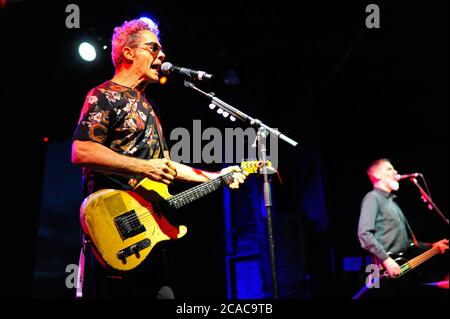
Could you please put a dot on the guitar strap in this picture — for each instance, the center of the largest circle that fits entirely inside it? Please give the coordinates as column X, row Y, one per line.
column 81, row 265
column 413, row 237
column 162, row 144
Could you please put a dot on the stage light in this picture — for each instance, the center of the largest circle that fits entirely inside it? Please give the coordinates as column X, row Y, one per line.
column 163, row 80
column 87, row 51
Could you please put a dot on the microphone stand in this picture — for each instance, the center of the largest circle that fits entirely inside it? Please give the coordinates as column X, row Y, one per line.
column 427, row 199
column 263, row 132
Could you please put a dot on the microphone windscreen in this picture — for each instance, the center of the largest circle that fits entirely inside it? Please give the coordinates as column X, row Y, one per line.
column 166, row 67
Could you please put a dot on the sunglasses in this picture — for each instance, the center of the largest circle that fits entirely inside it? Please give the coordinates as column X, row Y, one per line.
column 151, row 47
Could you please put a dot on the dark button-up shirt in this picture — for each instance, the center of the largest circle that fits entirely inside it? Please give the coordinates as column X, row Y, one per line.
column 382, row 226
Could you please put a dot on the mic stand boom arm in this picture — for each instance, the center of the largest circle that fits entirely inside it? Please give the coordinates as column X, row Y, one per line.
column 241, row 115
column 263, row 132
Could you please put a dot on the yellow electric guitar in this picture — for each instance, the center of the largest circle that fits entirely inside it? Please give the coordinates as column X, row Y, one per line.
column 124, row 226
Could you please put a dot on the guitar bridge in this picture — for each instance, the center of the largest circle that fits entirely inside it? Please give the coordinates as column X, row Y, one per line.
column 133, row 250
column 129, row 225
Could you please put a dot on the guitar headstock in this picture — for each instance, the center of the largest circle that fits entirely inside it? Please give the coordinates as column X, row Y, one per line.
column 253, row 167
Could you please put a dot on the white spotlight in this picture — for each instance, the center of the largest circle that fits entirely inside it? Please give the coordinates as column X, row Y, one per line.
column 87, row 51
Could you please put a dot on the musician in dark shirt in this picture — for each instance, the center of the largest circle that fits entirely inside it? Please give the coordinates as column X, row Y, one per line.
column 383, row 228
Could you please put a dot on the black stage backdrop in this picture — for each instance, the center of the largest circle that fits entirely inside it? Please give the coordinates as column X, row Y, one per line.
column 346, row 93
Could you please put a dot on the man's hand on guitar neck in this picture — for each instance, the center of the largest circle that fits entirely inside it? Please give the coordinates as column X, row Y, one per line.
column 190, row 174
column 442, row 245
column 238, row 177
column 392, row 268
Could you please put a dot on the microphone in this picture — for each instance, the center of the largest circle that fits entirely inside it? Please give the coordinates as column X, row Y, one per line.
column 399, row 177
column 168, row 68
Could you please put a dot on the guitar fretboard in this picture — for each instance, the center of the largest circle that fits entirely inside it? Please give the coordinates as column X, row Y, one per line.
column 413, row 263
column 199, row 191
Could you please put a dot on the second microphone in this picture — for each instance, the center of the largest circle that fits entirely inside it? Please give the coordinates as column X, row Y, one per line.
column 399, row 177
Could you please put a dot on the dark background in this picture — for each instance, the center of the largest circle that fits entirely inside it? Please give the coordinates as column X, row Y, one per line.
column 346, row 93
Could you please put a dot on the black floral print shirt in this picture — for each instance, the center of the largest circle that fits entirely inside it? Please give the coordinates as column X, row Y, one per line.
column 121, row 119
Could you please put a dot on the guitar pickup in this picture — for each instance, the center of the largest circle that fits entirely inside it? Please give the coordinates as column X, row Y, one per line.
column 133, row 250
column 128, row 225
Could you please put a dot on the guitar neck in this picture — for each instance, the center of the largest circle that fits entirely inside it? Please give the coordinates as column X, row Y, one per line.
column 199, row 191
column 413, row 263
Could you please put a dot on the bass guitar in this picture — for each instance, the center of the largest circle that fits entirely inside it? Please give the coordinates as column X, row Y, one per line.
column 406, row 264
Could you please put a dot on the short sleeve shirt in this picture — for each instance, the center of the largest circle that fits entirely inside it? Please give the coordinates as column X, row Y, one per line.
column 122, row 120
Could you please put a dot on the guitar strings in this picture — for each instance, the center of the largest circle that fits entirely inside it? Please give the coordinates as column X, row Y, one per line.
column 420, row 259
column 183, row 198
column 189, row 195
column 413, row 263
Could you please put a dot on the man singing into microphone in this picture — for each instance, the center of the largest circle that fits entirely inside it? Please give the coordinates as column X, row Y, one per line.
column 119, row 141
column 383, row 227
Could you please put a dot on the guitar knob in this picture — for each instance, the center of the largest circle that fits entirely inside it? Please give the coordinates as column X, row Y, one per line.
column 121, row 256
column 136, row 252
